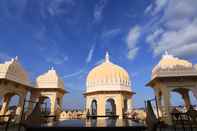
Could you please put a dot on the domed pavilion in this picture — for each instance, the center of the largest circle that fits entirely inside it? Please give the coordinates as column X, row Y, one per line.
column 49, row 86
column 172, row 74
column 108, row 85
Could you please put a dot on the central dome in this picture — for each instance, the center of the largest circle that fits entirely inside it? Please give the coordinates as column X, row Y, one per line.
column 108, row 77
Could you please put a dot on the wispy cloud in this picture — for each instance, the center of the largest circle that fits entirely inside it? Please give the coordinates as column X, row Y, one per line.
column 57, row 60
column 177, row 30
column 98, row 10
column 90, row 54
column 132, row 53
column 110, row 33
column 74, row 74
column 132, row 40
column 4, row 57
column 56, row 7
column 156, row 7
column 99, row 62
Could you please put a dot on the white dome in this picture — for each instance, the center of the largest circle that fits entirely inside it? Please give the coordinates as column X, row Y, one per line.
column 108, row 77
column 12, row 70
column 49, row 80
column 172, row 65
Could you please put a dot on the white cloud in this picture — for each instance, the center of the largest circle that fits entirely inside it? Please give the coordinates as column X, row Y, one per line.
column 55, row 7
column 131, row 40
column 159, row 5
column 148, row 9
column 177, row 31
column 90, row 54
column 132, row 53
column 133, row 36
column 156, row 7
column 98, row 10
column 57, row 60
column 74, row 74
column 110, row 33
column 4, row 57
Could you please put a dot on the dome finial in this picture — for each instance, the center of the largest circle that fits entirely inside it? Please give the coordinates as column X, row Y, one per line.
column 107, row 57
column 166, row 52
column 52, row 68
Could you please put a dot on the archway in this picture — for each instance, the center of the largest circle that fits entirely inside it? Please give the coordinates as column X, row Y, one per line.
column 176, row 101
column 45, row 104
column 110, row 107
column 11, row 104
column 94, row 107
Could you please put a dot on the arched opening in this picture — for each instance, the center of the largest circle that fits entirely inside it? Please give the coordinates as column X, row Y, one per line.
column 45, row 104
column 183, row 100
column 110, row 107
column 10, row 103
column 94, row 107
column 176, row 100
column 13, row 103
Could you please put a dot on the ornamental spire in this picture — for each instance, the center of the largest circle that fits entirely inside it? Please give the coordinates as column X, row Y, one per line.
column 107, row 57
column 166, row 52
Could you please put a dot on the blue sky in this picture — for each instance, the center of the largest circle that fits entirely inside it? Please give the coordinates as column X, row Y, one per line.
column 73, row 36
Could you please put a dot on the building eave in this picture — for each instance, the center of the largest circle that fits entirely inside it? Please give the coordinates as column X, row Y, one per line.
column 117, row 91
column 27, row 86
column 161, row 78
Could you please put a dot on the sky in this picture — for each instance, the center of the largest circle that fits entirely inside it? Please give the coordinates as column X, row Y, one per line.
column 73, row 35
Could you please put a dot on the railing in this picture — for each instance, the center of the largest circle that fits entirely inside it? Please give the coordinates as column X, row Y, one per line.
column 185, row 120
column 6, row 123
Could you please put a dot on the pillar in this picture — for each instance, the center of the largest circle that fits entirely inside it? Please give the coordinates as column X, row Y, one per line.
column 33, row 98
column 19, row 108
column 158, row 100
column 60, row 102
column 53, row 105
column 5, row 104
column 119, row 106
column 129, row 104
column 101, row 106
column 185, row 96
column 167, row 105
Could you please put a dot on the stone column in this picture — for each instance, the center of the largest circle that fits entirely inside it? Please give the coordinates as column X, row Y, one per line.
column 33, row 99
column 87, row 105
column 61, row 102
column 101, row 106
column 5, row 104
column 119, row 106
column 53, row 105
column 185, row 96
column 167, row 105
column 158, row 100
column 19, row 108
column 129, row 104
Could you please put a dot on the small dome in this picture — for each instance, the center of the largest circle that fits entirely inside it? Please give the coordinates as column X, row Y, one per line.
column 171, row 63
column 12, row 70
column 106, row 74
column 49, row 80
